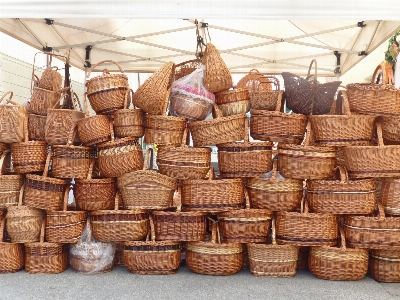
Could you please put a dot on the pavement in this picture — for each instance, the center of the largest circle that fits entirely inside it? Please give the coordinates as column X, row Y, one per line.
column 186, row 285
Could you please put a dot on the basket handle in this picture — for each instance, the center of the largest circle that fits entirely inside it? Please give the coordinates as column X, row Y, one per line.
column 75, row 97
column 66, row 196
column 2, row 228
column 379, row 132
column 308, row 134
column 9, row 99
column 345, row 103
column 184, row 137
column 42, row 230
column 381, row 211
column 215, row 236
column 89, row 230
column 247, row 198
column 126, row 100
column 274, row 167
column 111, row 124
column 274, row 80
column 374, row 75
column 303, row 206
column 85, row 105
column 278, row 106
column 105, row 71
column 90, row 172
column 254, row 71
column 273, row 228
column 218, row 112
column 46, row 167
column 117, row 199
column 211, row 175
column 72, row 134
column 148, row 159
column 152, row 230
column 178, row 197
column 343, row 175
column 2, row 158
column 342, row 239
column 21, row 195
column 246, row 132
column 315, row 70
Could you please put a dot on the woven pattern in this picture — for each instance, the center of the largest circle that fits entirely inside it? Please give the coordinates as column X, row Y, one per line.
column 164, row 130
column 388, row 194
column 252, row 80
column 11, row 254
column 43, row 99
column 264, row 98
column 46, row 258
column 37, row 127
column 12, row 118
column 186, row 67
column 194, row 109
column 384, row 265
column 233, row 102
column 390, row 129
column 10, row 185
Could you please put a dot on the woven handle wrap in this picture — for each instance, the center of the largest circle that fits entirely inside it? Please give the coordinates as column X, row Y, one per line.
column 218, row 112
column 343, row 175
column 308, row 134
column 2, row 158
column 246, row 132
column 381, row 211
column 85, row 105
column 214, row 231
column 184, row 138
column 303, row 206
column 274, row 167
column 345, row 104
column 21, row 195
column 127, row 101
column 75, row 97
column 9, row 99
column 273, row 230
column 105, row 71
column 66, row 196
column 152, row 230
column 247, row 198
column 315, row 70
column 116, row 203
column 46, row 167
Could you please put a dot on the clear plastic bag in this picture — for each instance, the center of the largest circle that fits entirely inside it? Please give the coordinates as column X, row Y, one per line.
column 189, row 98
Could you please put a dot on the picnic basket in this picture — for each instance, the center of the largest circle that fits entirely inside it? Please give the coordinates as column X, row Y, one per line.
column 12, row 118
column 384, row 265
column 10, row 184
column 263, row 97
column 233, row 102
column 11, row 254
column 388, row 194
column 164, row 130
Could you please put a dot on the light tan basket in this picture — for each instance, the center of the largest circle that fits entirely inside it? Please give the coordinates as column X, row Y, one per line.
column 12, row 118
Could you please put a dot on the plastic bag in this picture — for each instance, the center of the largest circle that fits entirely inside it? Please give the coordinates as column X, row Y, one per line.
column 189, row 98
column 269, row 175
column 90, row 256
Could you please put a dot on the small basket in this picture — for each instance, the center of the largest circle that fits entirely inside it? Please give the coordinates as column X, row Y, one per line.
column 106, row 92
column 11, row 254
column 252, row 80
column 187, row 67
column 164, row 130
column 184, row 162
column 384, row 265
column 151, row 257
column 152, row 96
column 119, row 225
column 248, row 159
column 272, row 260
column 65, row 226
column 342, row 196
column 390, row 129
column 12, row 118
column 217, row 131
column 51, row 79
column 147, row 189
column 129, row 122
column 10, row 184
column 388, row 194
column 233, row 102
column 263, row 97
column 43, row 99
column 37, row 127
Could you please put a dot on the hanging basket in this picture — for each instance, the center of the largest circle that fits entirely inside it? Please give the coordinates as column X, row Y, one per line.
column 233, row 102
column 263, row 97
column 11, row 254
column 384, row 265
column 164, row 130
column 12, row 118
column 388, row 194
column 10, row 184
column 252, row 80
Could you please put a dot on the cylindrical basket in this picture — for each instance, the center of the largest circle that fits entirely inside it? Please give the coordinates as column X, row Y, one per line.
column 164, row 130
column 233, row 102
column 263, row 97
column 12, row 117
column 10, row 184
column 11, row 254
column 384, row 265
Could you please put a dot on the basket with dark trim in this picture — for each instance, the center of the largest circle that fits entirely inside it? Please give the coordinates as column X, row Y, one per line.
column 384, row 265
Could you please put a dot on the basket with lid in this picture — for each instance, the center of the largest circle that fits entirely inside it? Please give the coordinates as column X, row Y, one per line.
column 384, row 265
column 11, row 254
column 164, row 130
column 10, row 184
column 263, row 97
column 233, row 102
column 12, row 118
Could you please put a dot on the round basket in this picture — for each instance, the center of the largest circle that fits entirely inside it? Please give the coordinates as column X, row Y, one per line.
column 384, row 265
column 233, row 102
column 388, row 194
column 263, row 97
column 252, row 80
column 10, row 184
column 164, row 130
column 11, row 254
column 106, row 92
column 12, row 116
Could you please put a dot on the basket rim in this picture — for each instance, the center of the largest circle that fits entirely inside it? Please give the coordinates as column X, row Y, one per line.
column 217, row 120
column 180, row 213
column 274, row 181
column 256, row 112
column 233, row 213
column 95, row 180
column 303, row 148
column 169, row 118
column 163, row 148
column 85, row 148
column 118, row 212
column 213, row 181
column 247, row 145
column 271, row 246
column 308, row 214
column 47, row 179
column 116, row 143
column 152, row 243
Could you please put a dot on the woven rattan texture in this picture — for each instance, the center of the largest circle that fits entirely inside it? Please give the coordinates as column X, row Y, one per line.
column 217, row 76
column 164, row 130
column 388, row 194
column 194, row 109
column 384, row 265
column 95, row 194
column 46, row 258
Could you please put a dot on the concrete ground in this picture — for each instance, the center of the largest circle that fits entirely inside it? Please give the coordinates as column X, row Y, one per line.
column 120, row 284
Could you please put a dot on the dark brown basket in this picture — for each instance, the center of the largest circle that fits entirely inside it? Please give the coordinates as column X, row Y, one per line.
column 10, row 184
column 164, row 130
column 384, row 265
column 11, row 254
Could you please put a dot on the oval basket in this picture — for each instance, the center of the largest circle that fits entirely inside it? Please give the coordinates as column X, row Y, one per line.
column 233, row 102
column 164, row 130
column 11, row 254
column 384, row 265
column 10, row 184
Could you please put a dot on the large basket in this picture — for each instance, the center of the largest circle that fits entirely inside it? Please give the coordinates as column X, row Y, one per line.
column 388, row 194
column 37, row 127
column 252, row 80
column 10, row 184
column 342, row 196
column 276, row 126
column 306, row 229
column 65, row 226
column 152, row 96
column 307, row 96
column 106, row 92
column 129, row 122
column 11, row 254
column 233, row 102
column 342, row 130
column 151, row 257
column 275, row 194
column 147, row 189
column 12, row 118
column 263, row 97
column 384, row 265
column 184, row 162
column 373, row 232
column 164, row 130
column 212, row 195
column 119, row 225
column 342, row 263
column 373, row 161
column 43, row 99
column 247, row 159
column 217, row 131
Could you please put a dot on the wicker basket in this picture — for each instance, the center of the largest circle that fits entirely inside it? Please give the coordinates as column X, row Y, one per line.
column 147, row 189
column 106, row 92
column 342, row 263
column 152, row 96
column 12, row 118
column 273, row 193
column 248, row 159
column 43, row 99
column 151, row 257
column 212, row 195
column 10, row 184
column 129, row 122
column 373, row 232
column 384, row 265
column 183, row 162
column 65, row 226
column 263, row 97
column 276, row 126
column 186, row 67
column 119, row 225
column 95, row 193
column 37, row 127
column 51, row 79
column 217, row 131
column 390, row 129
column 233, row 102
column 342, row 196
column 214, row 258
column 305, row 161
column 272, row 260
column 388, row 194
column 11, row 254
column 252, row 80
column 164, row 130
column 306, row 229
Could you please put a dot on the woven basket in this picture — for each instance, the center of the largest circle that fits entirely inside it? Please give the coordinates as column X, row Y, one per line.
column 45, row 258
column 217, row 131
column 214, row 258
column 212, row 195
column 272, row 260
column 184, row 162
column 37, row 127
column 342, row 263
column 217, row 76
column 233, row 102
column 10, row 184
column 129, row 122
column 118, row 157
column 276, row 126
column 308, row 96
column 23, row 222
column 306, row 229
column 51, row 79
column 12, row 118
column 106, row 92
column 384, row 265
column 61, row 122
column 11, row 254
column 247, row 159
column 390, row 129
column 164, row 130
column 119, row 225
column 305, row 161
column 95, row 193
column 147, row 189
column 152, row 96
column 373, row 232
column 263, row 97
column 186, row 67
column 151, row 257
column 252, row 80
column 388, row 194
column 43, row 99
column 65, row 226
column 342, row 196
column 373, row 161
column 342, row 130
column 275, row 194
